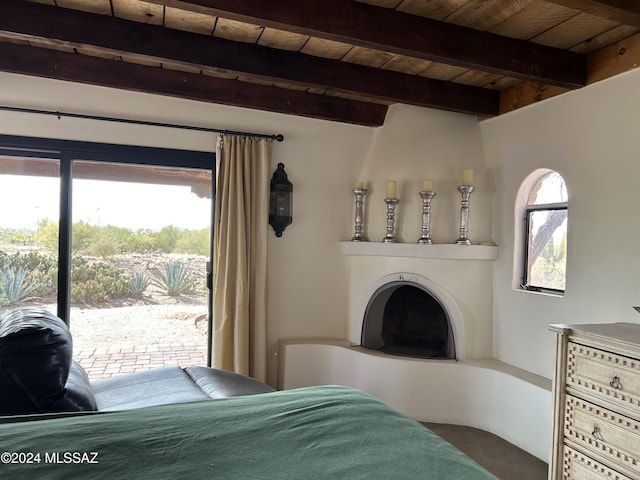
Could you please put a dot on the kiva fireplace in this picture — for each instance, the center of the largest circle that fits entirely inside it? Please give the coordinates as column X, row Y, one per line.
column 405, row 318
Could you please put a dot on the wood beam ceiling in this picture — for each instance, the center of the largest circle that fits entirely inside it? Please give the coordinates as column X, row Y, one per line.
column 626, row 12
column 392, row 31
column 607, row 62
column 155, row 59
column 102, row 35
column 614, row 59
column 129, row 76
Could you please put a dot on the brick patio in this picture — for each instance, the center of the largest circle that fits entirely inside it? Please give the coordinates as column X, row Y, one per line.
column 104, row 362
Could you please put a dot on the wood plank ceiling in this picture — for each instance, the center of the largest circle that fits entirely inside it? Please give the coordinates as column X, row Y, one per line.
column 340, row 60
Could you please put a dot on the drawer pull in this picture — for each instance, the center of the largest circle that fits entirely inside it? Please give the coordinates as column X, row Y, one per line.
column 597, row 433
column 615, row 383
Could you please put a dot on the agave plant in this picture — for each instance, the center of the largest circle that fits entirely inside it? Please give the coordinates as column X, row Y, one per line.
column 175, row 279
column 13, row 286
column 138, row 283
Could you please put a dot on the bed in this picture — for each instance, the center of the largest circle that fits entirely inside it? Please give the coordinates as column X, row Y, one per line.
column 327, row 432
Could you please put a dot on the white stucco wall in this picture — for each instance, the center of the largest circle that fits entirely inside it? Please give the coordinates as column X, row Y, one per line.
column 416, row 144
column 591, row 137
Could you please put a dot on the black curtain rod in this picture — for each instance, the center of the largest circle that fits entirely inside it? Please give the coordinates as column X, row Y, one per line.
column 278, row 137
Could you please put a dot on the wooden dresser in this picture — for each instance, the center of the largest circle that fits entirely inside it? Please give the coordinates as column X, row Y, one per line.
column 596, row 397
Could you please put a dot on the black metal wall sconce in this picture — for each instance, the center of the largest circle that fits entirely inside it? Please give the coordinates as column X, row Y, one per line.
column 280, row 202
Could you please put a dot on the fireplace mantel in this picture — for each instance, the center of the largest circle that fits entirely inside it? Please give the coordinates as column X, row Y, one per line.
column 439, row 251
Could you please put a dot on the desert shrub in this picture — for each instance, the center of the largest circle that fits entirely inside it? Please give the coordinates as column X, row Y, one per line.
column 118, row 235
column 138, row 283
column 142, row 241
column 195, row 242
column 47, row 234
column 103, row 247
column 21, row 237
column 29, row 261
column 109, row 240
column 40, row 270
column 82, row 235
column 44, row 282
column 13, row 286
column 85, row 238
column 96, row 282
column 6, row 235
column 175, row 279
column 167, row 238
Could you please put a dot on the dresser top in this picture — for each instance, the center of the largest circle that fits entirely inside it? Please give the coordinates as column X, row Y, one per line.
column 626, row 334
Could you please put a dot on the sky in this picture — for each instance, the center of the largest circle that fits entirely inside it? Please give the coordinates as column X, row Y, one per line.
column 27, row 199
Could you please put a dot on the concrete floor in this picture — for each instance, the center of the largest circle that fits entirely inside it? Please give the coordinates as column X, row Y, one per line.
column 504, row 460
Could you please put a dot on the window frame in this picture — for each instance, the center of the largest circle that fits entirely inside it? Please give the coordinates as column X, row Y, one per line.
column 68, row 151
column 529, row 209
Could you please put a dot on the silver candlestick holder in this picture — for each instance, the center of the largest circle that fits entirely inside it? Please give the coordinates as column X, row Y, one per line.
column 359, row 236
column 390, row 237
column 465, row 191
column 425, row 238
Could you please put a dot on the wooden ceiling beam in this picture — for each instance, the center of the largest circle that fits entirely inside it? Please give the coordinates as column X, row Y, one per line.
column 626, row 12
column 57, row 26
column 392, row 31
column 607, row 62
column 27, row 60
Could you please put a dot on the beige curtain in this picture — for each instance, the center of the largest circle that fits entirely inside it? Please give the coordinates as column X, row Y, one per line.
column 240, row 256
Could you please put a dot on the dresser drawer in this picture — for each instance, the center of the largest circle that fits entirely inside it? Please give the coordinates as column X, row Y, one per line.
column 576, row 466
column 604, row 375
column 609, row 437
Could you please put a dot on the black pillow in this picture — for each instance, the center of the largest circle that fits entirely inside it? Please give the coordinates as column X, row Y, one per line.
column 35, row 362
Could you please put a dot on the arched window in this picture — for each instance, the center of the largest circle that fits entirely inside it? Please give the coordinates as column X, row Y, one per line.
column 545, row 249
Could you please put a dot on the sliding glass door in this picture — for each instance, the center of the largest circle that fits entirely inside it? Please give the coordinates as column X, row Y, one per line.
column 140, row 243
column 122, row 238
column 29, row 193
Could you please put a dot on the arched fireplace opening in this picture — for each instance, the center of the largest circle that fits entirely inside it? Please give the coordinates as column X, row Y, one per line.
column 404, row 318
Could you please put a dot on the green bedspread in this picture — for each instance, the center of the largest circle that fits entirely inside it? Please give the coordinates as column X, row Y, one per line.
column 304, row 434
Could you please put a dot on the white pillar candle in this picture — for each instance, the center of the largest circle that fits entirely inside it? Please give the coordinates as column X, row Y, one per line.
column 467, row 177
column 358, row 185
column 427, row 186
column 392, row 187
